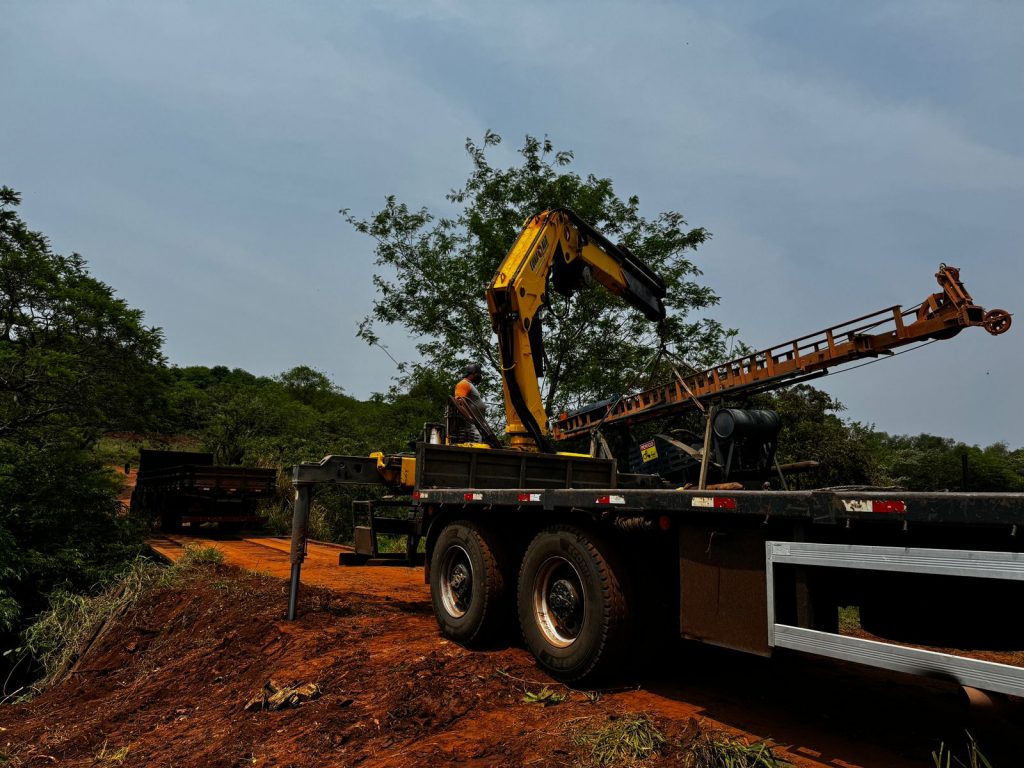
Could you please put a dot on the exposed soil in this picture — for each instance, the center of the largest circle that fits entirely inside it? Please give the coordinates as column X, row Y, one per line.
column 127, row 485
column 170, row 681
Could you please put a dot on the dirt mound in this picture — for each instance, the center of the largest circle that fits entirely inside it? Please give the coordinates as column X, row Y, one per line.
column 168, row 686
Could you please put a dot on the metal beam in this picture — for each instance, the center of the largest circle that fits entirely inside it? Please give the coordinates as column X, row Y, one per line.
column 987, row 675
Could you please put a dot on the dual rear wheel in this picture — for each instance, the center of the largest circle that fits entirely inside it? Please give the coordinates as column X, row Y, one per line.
column 468, row 582
column 571, row 597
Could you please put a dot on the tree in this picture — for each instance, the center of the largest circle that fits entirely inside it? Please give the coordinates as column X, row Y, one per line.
column 813, row 430
column 72, row 355
column 435, row 269
column 309, row 385
column 931, row 463
column 74, row 360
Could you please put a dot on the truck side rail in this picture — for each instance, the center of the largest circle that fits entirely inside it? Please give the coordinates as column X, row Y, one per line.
column 827, row 507
column 230, row 479
column 988, row 675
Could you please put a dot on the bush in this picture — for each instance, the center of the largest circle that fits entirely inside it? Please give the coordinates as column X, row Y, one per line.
column 62, row 633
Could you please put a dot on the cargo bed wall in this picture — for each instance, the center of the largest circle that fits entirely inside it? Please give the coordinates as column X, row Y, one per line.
column 447, row 466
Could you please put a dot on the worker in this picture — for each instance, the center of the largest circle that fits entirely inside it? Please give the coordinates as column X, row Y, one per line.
column 466, row 392
column 472, row 376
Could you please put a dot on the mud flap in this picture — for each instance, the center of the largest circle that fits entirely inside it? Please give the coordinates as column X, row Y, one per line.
column 722, row 589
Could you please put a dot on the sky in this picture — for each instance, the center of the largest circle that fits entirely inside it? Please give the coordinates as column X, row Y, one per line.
column 197, row 154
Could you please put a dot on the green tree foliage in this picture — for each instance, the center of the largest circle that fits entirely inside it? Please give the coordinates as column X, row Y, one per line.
column 854, row 454
column 308, row 384
column 931, row 463
column 812, row 430
column 434, row 270
column 68, row 346
column 74, row 360
column 297, row 416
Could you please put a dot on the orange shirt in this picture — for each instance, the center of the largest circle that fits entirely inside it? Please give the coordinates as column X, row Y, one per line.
column 463, row 388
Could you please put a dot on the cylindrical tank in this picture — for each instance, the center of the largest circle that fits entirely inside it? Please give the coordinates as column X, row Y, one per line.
column 732, row 423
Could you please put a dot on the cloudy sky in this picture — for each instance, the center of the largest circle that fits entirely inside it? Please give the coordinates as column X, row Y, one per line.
column 197, row 154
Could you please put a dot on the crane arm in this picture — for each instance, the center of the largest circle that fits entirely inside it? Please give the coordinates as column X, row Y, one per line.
column 940, row 316
column 559, row 245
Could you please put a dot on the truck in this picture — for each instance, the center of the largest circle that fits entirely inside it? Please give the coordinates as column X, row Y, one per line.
column 185, row 488
column 587, row 557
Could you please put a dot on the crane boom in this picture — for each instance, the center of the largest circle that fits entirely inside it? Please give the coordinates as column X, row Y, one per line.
column 940, row 316
column 559, row 244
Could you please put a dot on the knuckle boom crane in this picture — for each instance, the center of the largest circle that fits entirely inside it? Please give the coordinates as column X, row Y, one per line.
column 557, row 249
column 588, row 558
column 559, row 245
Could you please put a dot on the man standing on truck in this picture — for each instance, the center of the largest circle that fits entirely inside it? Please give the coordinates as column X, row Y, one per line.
column 467, row 394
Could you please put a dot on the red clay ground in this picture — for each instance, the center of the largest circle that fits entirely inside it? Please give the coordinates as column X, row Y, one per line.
column 171, row 679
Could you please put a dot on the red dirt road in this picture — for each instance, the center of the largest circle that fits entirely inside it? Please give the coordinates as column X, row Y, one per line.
column 269, row 554
column 825, row 713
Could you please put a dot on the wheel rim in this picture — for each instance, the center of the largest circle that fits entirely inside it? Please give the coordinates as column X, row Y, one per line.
column 559, row 605
column 456, row 581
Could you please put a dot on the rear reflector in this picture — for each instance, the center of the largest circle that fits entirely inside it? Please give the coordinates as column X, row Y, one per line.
column 610, row 500
column 714, row 502
column 525, row 497
column 885, row 507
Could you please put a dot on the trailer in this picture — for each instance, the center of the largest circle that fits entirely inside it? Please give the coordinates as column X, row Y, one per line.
column 587, row 564
column 184, row 488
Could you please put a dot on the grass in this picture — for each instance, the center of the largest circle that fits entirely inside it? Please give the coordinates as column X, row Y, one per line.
column 546, row 697
column 63, row 632
column 387, row 542
column 849, row 619
column 73, row 622
column 632, row 739
column 722, row 751
column 945, row 758
column 277, row 514
column 197, row 556
column 624, row 741
column 107, row 756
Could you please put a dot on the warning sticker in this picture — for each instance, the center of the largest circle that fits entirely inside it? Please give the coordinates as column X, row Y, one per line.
column 648, row 452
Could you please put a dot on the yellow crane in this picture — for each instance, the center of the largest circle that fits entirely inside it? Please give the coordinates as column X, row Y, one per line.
column 557, row 244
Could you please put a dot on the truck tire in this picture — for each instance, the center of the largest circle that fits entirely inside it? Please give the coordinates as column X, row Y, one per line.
column 469, row 583
column 573, row 604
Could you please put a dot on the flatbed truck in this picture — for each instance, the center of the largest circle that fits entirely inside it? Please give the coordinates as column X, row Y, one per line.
column 591, row 561
column 590, row 564
column 185, row 488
